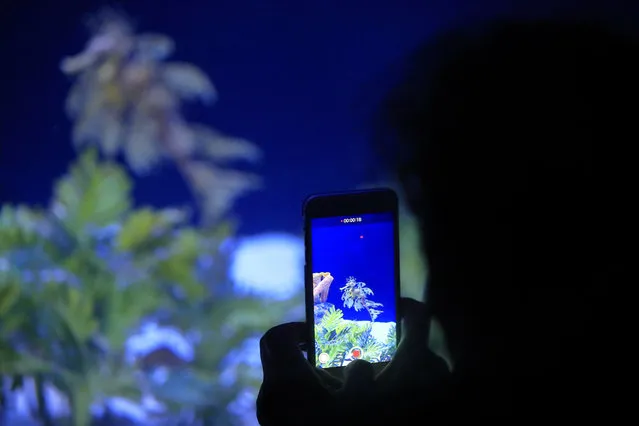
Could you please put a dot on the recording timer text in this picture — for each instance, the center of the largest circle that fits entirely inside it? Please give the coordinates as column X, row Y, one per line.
column 351, row 220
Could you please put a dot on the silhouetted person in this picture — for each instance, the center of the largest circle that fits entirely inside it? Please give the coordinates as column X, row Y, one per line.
column 513, row 144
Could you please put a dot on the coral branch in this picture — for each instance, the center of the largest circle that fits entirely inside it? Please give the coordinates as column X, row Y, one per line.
column 321, row 284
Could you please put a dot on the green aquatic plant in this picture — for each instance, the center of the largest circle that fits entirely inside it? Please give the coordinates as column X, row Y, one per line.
column 355, row 295
column 389, row 347
column 79, row 277
column 332, row 334
column 364, row 339
column 65, row 310
column 336, row 337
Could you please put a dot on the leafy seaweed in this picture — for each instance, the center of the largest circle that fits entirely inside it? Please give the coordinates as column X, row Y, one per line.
column 80, row 277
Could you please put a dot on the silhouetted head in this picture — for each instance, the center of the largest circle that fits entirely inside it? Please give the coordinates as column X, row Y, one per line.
column 513, row 147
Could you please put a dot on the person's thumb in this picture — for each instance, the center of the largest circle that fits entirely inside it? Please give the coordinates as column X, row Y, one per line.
column 359, row 377
column 358, row 390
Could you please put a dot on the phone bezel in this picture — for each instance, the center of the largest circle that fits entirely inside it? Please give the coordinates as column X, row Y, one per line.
column 382, row 200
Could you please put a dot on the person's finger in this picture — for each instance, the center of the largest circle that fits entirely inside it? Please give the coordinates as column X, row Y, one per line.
column 358, row 390
column 329, row 379
column 282, row 358
column 281, row 353
column 359, row 378
column 291, row 387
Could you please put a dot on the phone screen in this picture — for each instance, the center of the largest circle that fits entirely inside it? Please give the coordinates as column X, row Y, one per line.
column 353, row 263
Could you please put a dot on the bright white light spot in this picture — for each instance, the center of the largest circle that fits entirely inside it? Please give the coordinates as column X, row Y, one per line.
column 128, row 409
column 153, row 337
column 270, row 265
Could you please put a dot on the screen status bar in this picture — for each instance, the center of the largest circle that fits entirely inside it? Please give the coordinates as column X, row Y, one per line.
column 353, row 219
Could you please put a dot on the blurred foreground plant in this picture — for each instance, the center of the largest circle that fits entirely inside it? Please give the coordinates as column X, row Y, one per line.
column 126, row 98
column 77, row 279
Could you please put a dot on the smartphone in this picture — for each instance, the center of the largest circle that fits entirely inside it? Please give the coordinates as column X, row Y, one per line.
column 352, row 278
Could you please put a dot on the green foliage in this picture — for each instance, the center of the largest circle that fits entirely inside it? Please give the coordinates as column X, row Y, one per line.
column 390, row 345
column 336, row 336
column 92, row 194
column 76, row 280
column 54, row 285
column 332, row 334
column 17, row 227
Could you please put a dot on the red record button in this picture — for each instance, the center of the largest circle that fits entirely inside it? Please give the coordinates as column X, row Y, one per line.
column 357, row 353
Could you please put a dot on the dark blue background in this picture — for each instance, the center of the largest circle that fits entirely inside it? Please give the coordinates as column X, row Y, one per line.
column 297, row 77
column 338, row 249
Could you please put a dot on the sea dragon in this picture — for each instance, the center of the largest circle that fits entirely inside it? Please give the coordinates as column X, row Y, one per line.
column 321, row 284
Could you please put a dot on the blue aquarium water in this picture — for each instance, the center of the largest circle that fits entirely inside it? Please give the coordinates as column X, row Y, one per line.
column 353, row 264
column 126, row 211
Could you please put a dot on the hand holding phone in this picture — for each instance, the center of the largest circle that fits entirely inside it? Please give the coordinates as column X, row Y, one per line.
column 348, row 323
column 295, row 392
